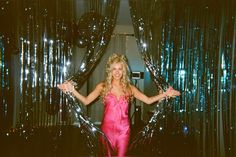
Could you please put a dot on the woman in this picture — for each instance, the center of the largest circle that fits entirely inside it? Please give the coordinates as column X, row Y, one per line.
column 116, row 92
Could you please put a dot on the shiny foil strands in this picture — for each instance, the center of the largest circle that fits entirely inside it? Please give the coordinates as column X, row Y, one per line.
column 192, row 46
column 47, row 34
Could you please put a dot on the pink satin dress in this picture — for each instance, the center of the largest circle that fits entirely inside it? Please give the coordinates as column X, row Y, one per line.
column 116, row 123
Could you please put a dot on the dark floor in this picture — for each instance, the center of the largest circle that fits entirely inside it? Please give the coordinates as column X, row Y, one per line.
column 69, row 141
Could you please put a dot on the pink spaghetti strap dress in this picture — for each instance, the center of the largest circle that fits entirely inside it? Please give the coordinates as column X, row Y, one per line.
column 116, row 123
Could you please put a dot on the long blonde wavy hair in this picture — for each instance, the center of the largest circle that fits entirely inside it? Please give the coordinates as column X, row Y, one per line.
column 125, row 81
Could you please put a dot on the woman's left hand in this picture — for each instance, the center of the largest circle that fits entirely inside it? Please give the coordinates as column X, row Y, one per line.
column 170, row 92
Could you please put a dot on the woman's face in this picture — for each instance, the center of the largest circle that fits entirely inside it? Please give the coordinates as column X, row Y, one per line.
column 117, row 71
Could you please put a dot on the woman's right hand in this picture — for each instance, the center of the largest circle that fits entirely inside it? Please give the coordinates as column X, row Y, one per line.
column 66, row 87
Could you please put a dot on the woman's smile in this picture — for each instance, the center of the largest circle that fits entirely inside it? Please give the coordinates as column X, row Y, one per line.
column 117, row 70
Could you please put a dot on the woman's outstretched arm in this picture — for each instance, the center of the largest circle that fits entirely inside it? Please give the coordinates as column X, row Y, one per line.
column 170, row 92
column 68, row 87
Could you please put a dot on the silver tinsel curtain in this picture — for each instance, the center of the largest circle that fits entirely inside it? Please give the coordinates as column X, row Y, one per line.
column 37, row 48
column 45, row 30
column 192, row 45
column 7, row 48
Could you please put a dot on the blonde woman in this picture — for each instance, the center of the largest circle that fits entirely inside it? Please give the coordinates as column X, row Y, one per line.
column 116, row 92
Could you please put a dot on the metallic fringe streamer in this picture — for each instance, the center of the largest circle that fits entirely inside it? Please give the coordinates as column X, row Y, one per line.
column 192, row 45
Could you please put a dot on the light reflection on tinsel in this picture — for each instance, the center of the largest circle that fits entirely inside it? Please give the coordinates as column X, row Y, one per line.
column 4, row 81
column 46, row 34
column 193, row 47
column 6, row 50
